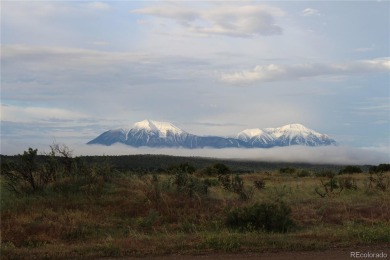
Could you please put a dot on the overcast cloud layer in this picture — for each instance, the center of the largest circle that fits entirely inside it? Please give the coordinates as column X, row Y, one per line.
column 71, row 70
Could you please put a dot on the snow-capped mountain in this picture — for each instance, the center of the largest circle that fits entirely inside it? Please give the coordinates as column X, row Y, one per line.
column 256, row 137
column 163, row 134
column 292, row 134
column 154, row 133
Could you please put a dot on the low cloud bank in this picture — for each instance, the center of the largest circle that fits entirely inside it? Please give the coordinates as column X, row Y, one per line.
column 316, row 155
column 343, row 155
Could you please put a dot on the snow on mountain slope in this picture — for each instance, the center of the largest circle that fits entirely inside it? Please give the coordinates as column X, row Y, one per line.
column 291, row 130
column 247, row 134
column 163, row 134
column 256, row 137
column 110, row 137
column 162, row 128
column 291, row 134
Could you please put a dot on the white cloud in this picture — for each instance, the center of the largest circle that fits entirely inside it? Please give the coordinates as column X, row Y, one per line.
column 33, row 114
column 67, row 56
column 182, row 15
column 342, row 155
column 323, row 155
column 235, row 21
column 46, row 65
column 275, row 72
column 310, row 12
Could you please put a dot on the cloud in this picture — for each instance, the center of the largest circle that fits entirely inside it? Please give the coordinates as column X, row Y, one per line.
column 310, row 12
column 68, row 56
column 341, row 155
column 40, row 70
column 33, row 114
column 318, row 155
column 180, row 14
column 234, row 21
column 274, row 72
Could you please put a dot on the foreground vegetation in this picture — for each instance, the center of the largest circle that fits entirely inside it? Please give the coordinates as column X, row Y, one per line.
column 57, row 206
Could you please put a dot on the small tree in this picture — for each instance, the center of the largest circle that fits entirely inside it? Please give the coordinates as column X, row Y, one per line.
column 221, row 168
column 63, row 151
column 380, row 168
column 216, row 169
column 350, row 170
column 267, row 217
column 25, row 174
column 329, row 188
column 183, row 167
column 287, row 170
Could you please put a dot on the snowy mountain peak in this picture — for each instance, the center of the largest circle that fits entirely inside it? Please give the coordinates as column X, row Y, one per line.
column 285, row 135
column 162, row 128
column 250, row 133
column 163, row 134
column 296, row 129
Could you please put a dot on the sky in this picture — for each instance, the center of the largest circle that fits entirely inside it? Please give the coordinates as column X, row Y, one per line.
column 71, row 70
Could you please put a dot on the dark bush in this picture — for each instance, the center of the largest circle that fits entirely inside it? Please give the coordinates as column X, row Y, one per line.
column 183, row 167
column 327, row 173
column 379, row 181
column 348, row 183
column 221, row 168
column 211, row 182
column 31, row 172
column 350, row 170
column 235, row 184
column 189, row 185
column 259, row 184
column 380, row 168
column 216, row 169
column 287, row 170
column 225, row 181
column 268, row 217
column 329, row 188
column 303, row 173
column 27, row 174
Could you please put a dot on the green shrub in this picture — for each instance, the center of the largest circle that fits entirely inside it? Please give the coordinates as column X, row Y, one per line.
column 380, row 168
column 329, row 188
column 26, row 174
column 211, row 182
column 326, row 173
column 259, row 184
column 350, row 170
column 348, row 183
column 216, row 169
column 379, row 180
column 268, row 217
column 183, row 167
column 287, row 170
column 225, row 181
column 235, row 184
column 189, row 185
column 303, row 173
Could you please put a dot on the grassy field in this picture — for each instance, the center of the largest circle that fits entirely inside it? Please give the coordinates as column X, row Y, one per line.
column 127, row 214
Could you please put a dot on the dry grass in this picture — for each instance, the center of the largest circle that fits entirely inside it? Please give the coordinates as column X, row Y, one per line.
column 136, row 216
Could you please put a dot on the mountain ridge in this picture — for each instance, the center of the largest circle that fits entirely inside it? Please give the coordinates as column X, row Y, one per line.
column 164, row 134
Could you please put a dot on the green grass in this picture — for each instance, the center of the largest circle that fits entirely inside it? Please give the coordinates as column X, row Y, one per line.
column 131, row 215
